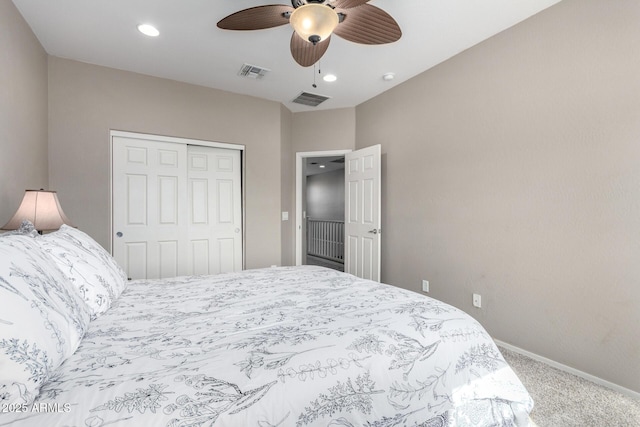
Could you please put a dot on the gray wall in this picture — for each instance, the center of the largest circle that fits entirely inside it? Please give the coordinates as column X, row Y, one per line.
column 324, row 130
column 325, row 195
column 87, row 101
column 23, row 111
column 287, row 190
column 513, row 170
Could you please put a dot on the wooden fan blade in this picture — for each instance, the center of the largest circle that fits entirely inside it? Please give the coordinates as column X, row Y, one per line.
column 257, row 18
column 347, row 4
column 305, row 53
column 368, row 24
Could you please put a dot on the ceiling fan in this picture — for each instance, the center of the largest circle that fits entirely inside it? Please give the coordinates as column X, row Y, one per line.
column 314, row 21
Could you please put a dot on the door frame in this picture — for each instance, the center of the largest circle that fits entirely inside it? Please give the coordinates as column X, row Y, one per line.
column 300, row 158
column 187, row 141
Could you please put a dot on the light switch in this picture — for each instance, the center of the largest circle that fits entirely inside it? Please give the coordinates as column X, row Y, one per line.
column 285, row 216
column 477, row 300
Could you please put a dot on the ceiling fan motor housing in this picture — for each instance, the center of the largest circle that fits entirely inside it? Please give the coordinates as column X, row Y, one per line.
column 298, row 3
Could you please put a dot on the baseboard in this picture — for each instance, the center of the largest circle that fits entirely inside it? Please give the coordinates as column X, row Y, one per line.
column 570, row 370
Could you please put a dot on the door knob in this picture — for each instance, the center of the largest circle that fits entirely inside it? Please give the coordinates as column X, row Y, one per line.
column 237, row 230
column 119, row 234
column 374, row 231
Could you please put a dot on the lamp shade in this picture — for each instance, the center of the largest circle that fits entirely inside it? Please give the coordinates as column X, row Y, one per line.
column 314, row 22
column 40, row 207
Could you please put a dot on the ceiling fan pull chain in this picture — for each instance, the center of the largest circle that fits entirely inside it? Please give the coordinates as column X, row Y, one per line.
column 314, row 76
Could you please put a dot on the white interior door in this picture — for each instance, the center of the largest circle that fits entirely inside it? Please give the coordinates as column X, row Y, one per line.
column 177, row 208
column 362, row 213
column 215, row 217
column 150, row 207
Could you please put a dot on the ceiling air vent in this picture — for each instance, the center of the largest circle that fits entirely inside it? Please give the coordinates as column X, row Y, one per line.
column 252, row 71
column 310, row 99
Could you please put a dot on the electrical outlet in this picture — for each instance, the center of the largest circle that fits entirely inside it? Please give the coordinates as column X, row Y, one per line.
column 425, row 286
column 477, row 300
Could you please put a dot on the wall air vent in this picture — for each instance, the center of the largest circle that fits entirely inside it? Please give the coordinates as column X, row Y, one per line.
column 310, row 99
column 252, row 71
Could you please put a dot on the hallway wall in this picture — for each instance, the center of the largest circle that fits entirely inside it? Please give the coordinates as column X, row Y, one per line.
column 325, row 195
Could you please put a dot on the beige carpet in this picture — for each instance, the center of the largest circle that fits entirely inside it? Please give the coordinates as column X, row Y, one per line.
column 565, row 400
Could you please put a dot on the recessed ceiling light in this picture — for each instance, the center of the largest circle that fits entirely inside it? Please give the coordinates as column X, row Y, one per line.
column 388, row 77
column 148, row 30
column 321, row 166
column 330, row 78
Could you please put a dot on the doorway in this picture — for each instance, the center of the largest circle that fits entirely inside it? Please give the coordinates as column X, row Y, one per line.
column 323, row 212
column 362, row 209
column 301, row 188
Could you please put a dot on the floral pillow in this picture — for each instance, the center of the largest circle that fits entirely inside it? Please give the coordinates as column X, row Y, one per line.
column 26, row 228
column 42, row 318
column 91, row 269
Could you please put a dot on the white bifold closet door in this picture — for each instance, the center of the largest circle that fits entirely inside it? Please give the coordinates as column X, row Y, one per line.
column 177, row 208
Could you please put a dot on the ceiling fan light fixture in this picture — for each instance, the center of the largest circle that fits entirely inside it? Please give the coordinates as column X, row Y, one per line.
column 314, row 22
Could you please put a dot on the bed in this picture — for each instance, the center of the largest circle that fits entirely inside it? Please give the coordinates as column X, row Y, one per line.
column 288, row 346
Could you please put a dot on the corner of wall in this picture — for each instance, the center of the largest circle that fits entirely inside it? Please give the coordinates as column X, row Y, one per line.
column 287, row 188
column 23, row 124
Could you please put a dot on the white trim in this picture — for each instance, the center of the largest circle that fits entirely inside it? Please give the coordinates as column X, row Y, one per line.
column 299, row 157
column 111, row 192
column 570, row 370
column 175, row 140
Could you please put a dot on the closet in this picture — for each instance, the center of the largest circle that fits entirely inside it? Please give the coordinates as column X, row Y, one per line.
column 177, row 206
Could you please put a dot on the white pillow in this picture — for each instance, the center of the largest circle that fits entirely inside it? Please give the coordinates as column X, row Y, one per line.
column 91, row 269
column 42, row 318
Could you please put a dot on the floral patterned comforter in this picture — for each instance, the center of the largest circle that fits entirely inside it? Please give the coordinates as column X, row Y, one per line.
column 291, row 346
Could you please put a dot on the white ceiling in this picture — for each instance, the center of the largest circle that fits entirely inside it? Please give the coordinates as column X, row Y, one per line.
column 192, row 49
column 317, row 165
